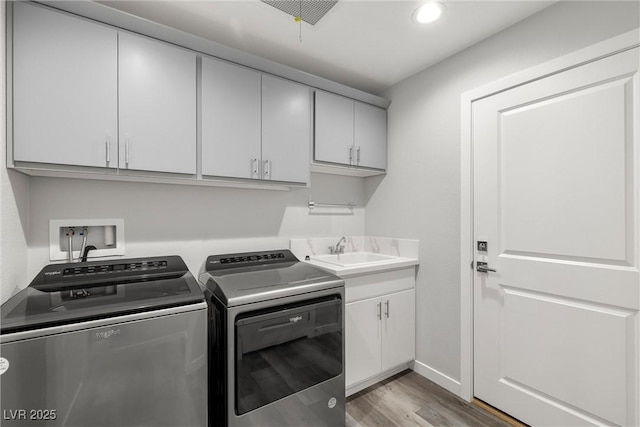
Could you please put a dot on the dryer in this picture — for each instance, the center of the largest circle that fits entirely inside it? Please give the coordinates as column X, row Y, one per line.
column 276, row 341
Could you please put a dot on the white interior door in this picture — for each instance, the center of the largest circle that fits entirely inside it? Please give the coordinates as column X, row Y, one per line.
column 556, row 198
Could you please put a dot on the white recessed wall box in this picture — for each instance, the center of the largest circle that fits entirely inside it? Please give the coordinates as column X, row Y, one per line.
column 106, row 235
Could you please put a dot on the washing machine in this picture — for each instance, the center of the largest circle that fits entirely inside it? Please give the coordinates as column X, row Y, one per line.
column 108, row 343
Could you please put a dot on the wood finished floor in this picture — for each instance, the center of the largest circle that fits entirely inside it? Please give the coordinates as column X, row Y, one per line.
column 409, row 399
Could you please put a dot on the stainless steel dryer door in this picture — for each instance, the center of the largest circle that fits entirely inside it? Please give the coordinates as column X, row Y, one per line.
column 285, row 362
column 145, row 369
column 285, row 349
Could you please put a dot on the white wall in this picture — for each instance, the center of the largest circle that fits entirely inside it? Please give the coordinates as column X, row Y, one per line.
column 420, row 196
column 14, row 192
column 192, row 221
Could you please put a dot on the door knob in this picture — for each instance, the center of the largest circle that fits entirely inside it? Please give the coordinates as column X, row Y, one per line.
column 483, row 267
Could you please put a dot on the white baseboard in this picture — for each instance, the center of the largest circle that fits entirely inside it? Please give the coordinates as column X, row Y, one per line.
column 437, row 377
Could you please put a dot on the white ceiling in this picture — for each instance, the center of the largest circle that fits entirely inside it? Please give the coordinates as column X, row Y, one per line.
column 365, row 44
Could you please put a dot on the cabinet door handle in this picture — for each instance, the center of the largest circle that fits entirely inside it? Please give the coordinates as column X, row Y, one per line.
column 267, row 168
column 254, row 168
column 126, row 151
column 379, row 311
column 387, row 305
column 108, row 144
column 358, row 156
column 351, row 155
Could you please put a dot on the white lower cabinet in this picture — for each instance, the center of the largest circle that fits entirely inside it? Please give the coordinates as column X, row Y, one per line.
column 363, row 339
column 398, row 328
column 379, row 331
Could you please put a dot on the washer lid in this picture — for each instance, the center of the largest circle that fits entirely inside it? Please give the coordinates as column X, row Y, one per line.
column 74, row 292
column 253, row 277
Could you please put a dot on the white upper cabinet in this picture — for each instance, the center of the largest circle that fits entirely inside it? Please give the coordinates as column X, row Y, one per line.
column 254, row 126
column 64, row 89
column 286, row 130
column 88, row 100
column 333, row 128
column 87, row 95
column 157, row 90
column 349, row 132
column 231, row 115
column 370, row 136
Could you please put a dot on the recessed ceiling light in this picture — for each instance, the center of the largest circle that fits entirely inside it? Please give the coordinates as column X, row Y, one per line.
column 428, row 12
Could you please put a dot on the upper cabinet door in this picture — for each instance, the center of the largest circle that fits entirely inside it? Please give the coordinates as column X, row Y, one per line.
column 231, row 130
column 64, row 89
column 286, row 130
column 370, row 136
column 333, row 129
column 157, row 106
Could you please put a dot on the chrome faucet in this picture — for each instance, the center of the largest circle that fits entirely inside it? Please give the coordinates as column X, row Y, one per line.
column 337, row 249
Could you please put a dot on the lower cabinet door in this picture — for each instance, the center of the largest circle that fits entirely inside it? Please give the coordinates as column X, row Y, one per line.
column 362, row 340
column 398, row 323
